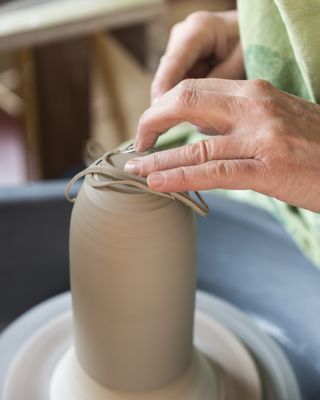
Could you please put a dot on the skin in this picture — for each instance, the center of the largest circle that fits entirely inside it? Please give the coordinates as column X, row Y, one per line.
column 203, row 45
column 262, row 139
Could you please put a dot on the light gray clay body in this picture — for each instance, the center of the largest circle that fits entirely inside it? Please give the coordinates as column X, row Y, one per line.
column 133, row 280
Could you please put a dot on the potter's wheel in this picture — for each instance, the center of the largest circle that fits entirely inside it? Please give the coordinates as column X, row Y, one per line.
column 32, row 347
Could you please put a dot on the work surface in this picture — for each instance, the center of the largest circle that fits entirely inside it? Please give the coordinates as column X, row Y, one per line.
column 244, row 257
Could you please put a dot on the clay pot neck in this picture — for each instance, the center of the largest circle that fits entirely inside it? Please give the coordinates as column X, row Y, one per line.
column 108, row 172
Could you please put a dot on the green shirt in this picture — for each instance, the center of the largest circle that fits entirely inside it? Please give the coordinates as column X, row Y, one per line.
column 280, row 40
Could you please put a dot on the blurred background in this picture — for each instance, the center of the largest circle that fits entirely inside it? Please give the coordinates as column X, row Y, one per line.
column 73, row 71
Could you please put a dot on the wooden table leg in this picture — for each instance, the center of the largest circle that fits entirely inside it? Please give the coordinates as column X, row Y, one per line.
column 62, row 73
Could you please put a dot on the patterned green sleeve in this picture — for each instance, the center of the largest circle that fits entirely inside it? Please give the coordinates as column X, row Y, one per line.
column 280, row 39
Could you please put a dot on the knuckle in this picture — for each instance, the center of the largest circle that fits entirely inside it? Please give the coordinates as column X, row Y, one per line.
column 199, row 152
column 222, row 170
column 187, row 97
column 218, row 171
column 260, row 85
column 156, row 161
column 182, row 176
column 188, row 84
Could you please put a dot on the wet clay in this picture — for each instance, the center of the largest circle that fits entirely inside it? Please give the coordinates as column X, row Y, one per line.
column 133, row 278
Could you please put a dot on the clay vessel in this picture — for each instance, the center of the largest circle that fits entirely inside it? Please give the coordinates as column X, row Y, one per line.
column 133, row 278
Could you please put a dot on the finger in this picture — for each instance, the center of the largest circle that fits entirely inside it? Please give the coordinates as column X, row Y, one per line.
column 189, row 42
column 218, row 148
column 224, row 174
column 231, row 68
column 172, row 69
column 212, row 111
column 216, row 84
column 234, row 87
column 199, row 70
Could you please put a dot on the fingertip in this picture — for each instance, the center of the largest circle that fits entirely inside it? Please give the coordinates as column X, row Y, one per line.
column 156, row 181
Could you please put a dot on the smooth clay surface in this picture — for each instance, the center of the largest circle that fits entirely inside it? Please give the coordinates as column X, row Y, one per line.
column 133, row 281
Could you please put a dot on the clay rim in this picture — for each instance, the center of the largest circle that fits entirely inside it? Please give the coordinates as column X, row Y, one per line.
column 113, row 177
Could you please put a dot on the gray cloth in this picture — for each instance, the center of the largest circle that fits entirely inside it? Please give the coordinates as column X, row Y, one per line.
column 244, row 256
column 34, row 224
column 247, row 258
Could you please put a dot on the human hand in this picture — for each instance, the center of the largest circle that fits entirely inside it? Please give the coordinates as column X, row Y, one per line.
column 205, row 44
column 269, row 141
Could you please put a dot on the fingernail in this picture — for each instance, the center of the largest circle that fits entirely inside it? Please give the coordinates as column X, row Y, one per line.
column 133, row 166
column 156, row 179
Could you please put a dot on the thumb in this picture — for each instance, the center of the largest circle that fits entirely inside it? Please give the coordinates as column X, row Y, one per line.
column 231, row 68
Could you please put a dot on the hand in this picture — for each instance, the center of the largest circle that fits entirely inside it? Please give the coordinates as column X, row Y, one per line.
column 206, row 44
column 269, row 141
